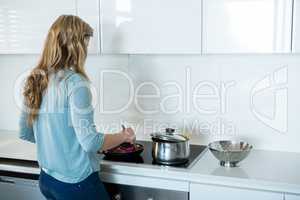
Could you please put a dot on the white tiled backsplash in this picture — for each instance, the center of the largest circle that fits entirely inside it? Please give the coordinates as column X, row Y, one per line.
column 248, row 97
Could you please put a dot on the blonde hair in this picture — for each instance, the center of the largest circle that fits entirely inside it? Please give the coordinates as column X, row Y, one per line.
column 65, row 47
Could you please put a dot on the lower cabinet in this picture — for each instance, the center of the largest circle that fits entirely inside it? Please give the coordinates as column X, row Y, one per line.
column 131, row 187
column 12, row 188
column 209, row 192
column 292, row 197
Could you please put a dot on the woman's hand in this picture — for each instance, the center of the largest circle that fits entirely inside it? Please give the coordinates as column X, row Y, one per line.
column 113, row 140
column 128, row 135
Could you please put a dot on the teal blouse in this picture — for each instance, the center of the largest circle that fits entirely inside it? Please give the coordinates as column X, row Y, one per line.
column 64, row 132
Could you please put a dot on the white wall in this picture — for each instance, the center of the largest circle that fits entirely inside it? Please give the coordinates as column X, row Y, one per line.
column 270, row 122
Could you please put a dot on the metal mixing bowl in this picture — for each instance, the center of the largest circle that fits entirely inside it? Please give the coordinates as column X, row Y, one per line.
column 229, row 153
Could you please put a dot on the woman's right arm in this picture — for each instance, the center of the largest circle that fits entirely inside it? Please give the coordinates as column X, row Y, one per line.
column 82, row 117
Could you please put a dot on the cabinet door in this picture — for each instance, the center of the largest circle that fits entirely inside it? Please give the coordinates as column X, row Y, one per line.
column 89, row 12
column 292, row 197
column 247, row 26
column 151, row 26
column 24, row 24
column 19, row 189
column 296, row 29
column 207, row 192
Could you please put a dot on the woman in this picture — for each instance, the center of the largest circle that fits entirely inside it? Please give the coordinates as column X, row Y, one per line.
column 58, row 116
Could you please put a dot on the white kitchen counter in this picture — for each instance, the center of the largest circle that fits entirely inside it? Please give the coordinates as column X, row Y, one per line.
column 262, row 170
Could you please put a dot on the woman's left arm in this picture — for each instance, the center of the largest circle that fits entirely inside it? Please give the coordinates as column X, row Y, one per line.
column 25, row 130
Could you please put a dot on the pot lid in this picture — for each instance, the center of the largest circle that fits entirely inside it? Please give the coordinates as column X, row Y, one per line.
column 169, row 136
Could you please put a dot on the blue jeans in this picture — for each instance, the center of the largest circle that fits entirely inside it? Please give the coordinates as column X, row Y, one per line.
column 89, row 189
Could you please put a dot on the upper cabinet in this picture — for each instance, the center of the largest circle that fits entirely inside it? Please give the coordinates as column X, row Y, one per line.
column 158, row 27
column 89, row 12
column 247, row 26
column 296, row 29
column 151, row 26
column 24, row 24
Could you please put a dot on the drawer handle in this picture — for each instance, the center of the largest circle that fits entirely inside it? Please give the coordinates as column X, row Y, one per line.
column 7, row 181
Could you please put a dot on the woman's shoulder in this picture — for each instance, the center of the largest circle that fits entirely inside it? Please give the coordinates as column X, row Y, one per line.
column 71, row 76
column 74, row 80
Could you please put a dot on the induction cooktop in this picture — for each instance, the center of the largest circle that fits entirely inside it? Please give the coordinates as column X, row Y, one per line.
column 196, row 151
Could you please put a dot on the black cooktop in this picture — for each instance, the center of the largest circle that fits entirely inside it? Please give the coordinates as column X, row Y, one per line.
column 146, row 157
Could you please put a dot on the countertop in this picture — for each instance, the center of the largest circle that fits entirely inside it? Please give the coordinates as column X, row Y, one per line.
column 263, row 170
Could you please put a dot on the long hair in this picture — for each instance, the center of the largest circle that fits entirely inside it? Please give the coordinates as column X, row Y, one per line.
column 65, row 47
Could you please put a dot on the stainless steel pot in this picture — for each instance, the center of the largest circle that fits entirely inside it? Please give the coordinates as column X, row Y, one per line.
column 170, row 148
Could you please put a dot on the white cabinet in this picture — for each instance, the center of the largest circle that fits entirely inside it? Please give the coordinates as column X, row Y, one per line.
column 247, row 26
column 296, row 28
column 24, row 24
column 208, row 192
column 89, row 12
column 292, row 197
column 17, row 188
column 151, row 26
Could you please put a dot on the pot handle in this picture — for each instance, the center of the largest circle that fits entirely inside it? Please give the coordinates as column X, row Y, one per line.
column 170, row 131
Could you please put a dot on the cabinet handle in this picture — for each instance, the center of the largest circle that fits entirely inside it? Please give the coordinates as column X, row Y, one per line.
column 2, row 180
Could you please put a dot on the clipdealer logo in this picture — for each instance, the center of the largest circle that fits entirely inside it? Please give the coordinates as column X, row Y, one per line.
column 275, row 83
column 190, row 97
